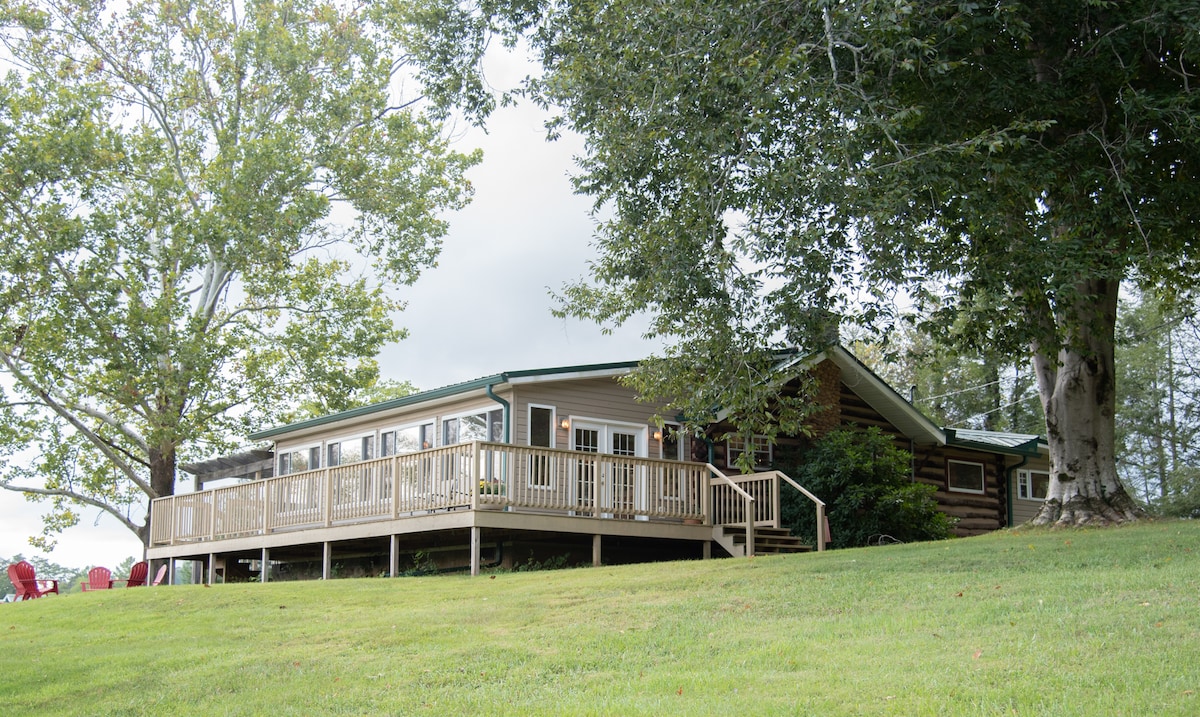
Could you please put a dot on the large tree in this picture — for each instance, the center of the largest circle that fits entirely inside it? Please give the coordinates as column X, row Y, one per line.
column 175, row 265
column 761, row 161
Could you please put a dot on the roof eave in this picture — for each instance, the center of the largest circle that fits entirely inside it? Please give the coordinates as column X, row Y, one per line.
column 457, row 390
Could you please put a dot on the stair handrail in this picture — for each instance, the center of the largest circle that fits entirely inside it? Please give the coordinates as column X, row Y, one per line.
column 749, row 499
column 820, row 508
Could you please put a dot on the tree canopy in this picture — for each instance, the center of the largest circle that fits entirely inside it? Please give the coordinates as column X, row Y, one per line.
column 762, row 163
column 204, row 207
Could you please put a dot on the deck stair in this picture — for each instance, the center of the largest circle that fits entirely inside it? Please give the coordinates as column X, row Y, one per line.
column 767, row 541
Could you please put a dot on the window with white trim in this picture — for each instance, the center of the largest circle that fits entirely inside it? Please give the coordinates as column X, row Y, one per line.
column 541, row 435
column 1033, row 485
column 672, row 479
column 758, row 445
column 298, row 460
column 482, row 426
column 964, row 477
column 673, row 443
column 409, row 439
column 349, row 450
column 541, row 426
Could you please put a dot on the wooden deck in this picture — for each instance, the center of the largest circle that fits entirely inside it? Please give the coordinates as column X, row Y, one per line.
column 472, row 487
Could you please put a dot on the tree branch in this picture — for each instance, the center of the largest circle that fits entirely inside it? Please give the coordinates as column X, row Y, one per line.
column 78, row 498
column 69, row 416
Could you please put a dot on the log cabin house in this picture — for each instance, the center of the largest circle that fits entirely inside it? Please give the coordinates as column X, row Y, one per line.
column 561, row 464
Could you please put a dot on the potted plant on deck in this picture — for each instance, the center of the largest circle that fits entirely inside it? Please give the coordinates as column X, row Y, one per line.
column 491, row 494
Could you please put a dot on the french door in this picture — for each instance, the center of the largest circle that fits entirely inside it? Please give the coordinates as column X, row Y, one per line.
column 606, row 481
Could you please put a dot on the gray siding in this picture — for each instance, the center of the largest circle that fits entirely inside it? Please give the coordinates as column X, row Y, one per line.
column 603, row 399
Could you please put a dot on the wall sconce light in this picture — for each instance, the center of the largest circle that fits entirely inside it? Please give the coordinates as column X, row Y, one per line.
column 565, row 423
column 658, row 435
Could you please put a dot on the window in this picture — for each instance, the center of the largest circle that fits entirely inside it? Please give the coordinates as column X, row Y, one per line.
column 406, row 440
column 541, row 426
column 541, row 435
column 963, row 477
column 350, row 450
column 299, row 460
column 485, row 426
column 673, row 443
column 1033, row 485
column 759, row 447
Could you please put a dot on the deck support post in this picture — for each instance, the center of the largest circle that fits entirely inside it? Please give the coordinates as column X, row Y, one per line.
column 475, row 550
column 394, row 555
column 266, row 565
column 706, row 551
column 327, row 560
column 749, row 527
column 596, row 550
column 212, row 567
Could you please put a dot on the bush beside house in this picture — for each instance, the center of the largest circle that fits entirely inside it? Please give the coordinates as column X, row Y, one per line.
column 866, row 483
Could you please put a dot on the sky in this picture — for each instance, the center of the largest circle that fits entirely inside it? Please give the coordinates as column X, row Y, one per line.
column 484, row 309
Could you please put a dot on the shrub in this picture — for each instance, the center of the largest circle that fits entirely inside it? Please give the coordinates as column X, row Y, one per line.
column 869, row 494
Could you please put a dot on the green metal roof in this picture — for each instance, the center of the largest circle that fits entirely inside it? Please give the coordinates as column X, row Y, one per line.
column 1021, row 444
column 478, row 384
column 877, row 392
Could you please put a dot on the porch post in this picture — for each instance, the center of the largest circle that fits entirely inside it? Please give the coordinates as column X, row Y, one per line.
column 170, row 571
column 707, row 550
column 596, row 550
column 327, row 560
column 777, row 504
column 474, row 550
column 212, row 566
column 266, row 511
column 749, row 527
column 266, row 567
column 822, row 527
column 328, row 498
column 394, row 556
column 212, row 517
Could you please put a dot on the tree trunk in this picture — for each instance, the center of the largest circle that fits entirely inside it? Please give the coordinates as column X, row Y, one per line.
column 1078, row 391
column 162, row 481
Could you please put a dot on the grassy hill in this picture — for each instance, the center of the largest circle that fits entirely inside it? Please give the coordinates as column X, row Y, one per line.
column 1026, row 623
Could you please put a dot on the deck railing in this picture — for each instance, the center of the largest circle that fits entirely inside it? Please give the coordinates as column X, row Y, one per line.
column 473, row 475
column 754, row 500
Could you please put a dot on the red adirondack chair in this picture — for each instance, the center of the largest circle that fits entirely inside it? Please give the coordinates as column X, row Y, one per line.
column 24, row 579
column 99, row 578
column 158, row 577
column 137, row 575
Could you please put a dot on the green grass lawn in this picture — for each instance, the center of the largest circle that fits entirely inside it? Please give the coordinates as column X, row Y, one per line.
column 1097, row 622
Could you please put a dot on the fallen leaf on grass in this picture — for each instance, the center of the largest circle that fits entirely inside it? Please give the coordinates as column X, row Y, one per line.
column 977, row 654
